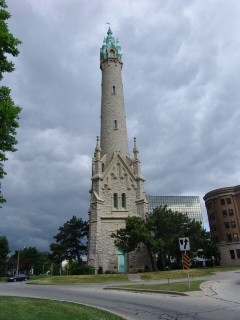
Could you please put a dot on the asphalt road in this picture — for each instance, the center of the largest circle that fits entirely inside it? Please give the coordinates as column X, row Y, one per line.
column 221, row 303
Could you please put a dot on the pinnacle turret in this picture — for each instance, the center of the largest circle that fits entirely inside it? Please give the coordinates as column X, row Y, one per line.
column 98, row 149
column 135, row 149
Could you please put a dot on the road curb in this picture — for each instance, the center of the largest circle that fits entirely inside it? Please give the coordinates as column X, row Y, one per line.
column 207, row 288
column 147, row 290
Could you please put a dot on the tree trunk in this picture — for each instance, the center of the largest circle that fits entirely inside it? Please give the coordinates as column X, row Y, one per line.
column 162, row 260
column 152, row 258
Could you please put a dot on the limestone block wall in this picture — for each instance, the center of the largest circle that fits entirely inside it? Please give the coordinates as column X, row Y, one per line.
column 94, row 246
column 109, row 250
column 136, row 260
column 113, row 136
column 105, row 219
column 139, row 260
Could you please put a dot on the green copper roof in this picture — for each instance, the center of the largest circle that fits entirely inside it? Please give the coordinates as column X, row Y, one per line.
column 110, row 43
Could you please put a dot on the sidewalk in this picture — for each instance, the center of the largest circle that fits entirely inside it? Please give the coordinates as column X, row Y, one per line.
column 206, row 286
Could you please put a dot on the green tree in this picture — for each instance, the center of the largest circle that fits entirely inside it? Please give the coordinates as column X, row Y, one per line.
column 8, row 44
column 71, row 241
column 29, row 259
column 43, row 263
column 4, row 250
column 135, row 233
column 169, row 226
column 210, row 248
column 9, row 112
column 160, row 233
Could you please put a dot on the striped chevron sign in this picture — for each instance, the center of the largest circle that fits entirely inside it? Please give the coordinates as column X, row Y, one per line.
column 186, row 261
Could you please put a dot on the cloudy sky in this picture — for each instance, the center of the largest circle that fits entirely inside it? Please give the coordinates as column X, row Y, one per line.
column 182, row 96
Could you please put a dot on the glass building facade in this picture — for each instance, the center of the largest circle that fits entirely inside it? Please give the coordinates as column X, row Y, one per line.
column 183, row 204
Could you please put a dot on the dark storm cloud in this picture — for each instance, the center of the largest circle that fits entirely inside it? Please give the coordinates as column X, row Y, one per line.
column 181, row 89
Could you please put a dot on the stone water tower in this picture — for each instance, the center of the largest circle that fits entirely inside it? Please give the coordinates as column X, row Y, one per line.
column 117, row 184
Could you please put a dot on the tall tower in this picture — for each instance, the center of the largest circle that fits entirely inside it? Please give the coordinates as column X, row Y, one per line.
column 117, row 185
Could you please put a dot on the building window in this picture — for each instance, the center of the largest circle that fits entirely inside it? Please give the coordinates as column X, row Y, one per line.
column 115, row 126
column 213, row 216
column 112, row 53
column 226, row 225
column 215, row 239
column 228, row 200
column 229, row 237
column 235, row 237
column 233, row 224
column 114, row 90
column 209, row 205
column 123, row 201
column 230, row 212
column 238, row 253
column 224, row 213
column 115, row 201
column 232, row 254
column 222, row 202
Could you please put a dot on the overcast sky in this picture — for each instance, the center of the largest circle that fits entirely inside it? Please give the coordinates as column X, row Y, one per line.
column 182, row 92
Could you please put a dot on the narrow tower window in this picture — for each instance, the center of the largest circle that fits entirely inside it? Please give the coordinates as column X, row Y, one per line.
column 115, row 126
column 112, row 54
column 123, row 201
column 115, row 201
column 114, row 90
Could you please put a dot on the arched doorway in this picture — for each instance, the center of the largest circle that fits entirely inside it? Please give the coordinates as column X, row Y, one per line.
column 122, row 261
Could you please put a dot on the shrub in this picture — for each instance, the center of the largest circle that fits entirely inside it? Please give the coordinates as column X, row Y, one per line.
column 100, row 270
column 108, row 272
column 146, row 268
column 83, row 269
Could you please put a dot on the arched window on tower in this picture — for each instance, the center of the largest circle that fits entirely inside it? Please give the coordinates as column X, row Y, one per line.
column 114, row 90
column 115, row 125
column 112, row 53
column 115, row 201
column 123, row 200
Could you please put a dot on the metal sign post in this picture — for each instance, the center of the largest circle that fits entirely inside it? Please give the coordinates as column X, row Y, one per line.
column 186, row 264
column 184, row 245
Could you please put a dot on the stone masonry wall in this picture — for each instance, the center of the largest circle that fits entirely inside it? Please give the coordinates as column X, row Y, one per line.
column 112, row 109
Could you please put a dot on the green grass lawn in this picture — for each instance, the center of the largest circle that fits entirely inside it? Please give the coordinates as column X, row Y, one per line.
column 92, row 278
column 108, row 278
column 178, row 274
column 13, row 308
column 177, row 286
